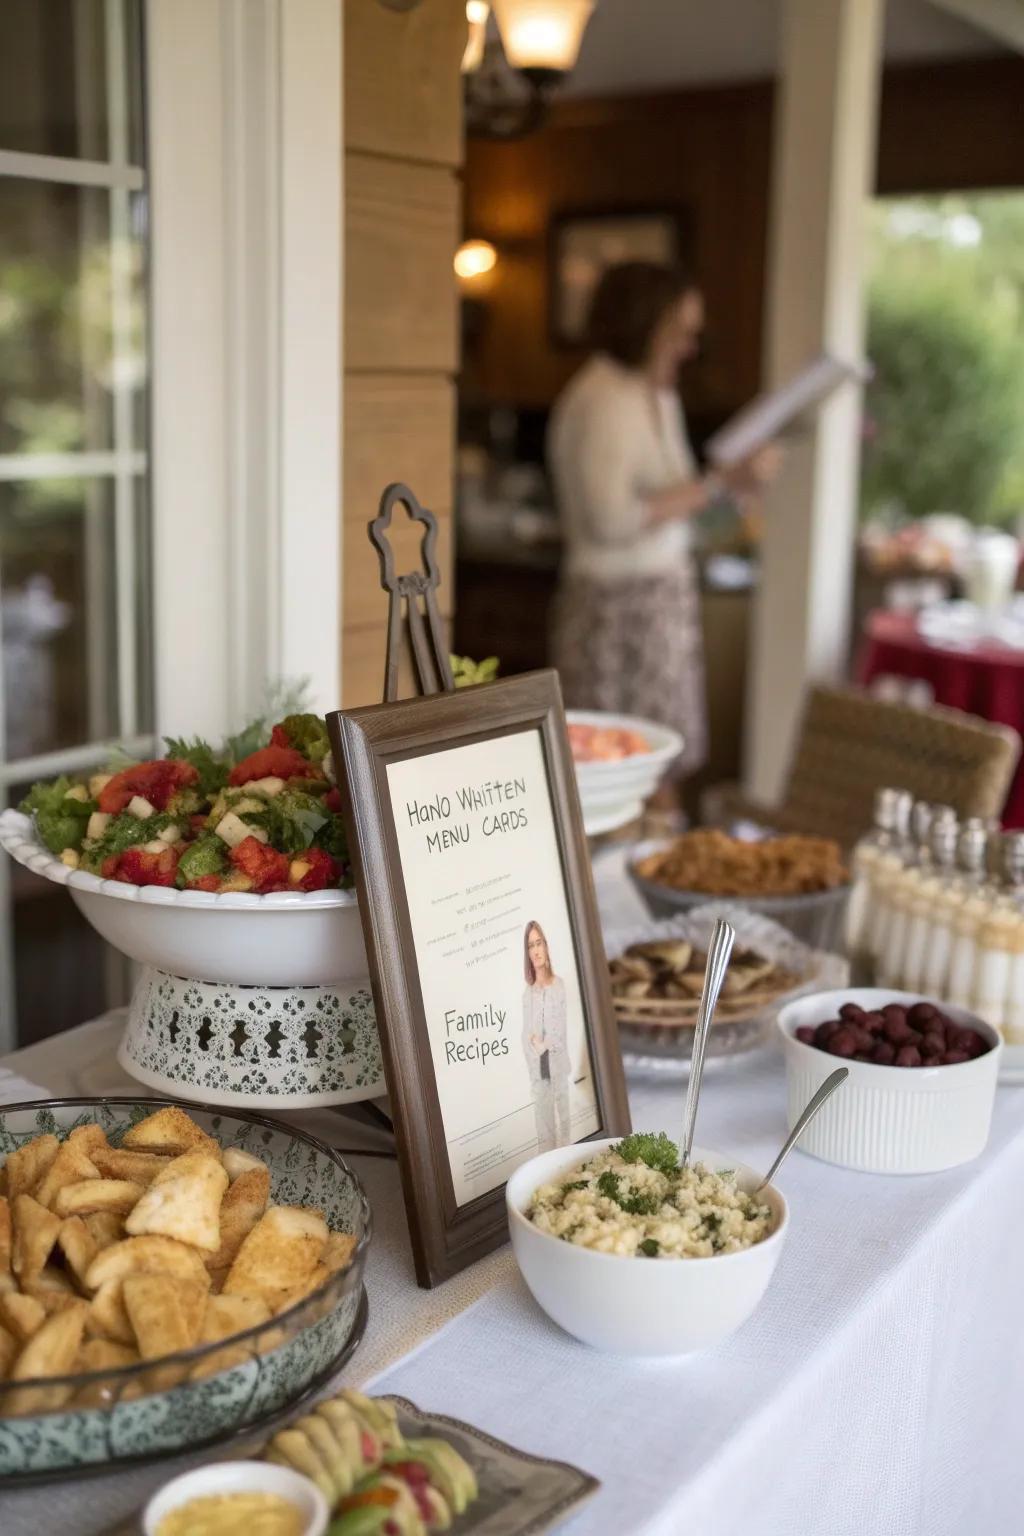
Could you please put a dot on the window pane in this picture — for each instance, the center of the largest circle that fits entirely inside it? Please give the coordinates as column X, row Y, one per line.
column 55, row 318
column 63, row 971
column 54, row 79
column 57, row 585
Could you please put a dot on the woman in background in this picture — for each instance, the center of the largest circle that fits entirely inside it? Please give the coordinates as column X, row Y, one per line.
column 545, row 1045
column 627, row 631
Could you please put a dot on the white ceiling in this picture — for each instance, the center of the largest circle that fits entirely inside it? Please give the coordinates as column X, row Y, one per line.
column 641, row 45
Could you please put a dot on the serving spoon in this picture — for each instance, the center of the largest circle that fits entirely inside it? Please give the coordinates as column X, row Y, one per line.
column 804, row 1119
column 719, row 950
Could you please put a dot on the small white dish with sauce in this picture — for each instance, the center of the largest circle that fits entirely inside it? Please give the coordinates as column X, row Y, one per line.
column 640, row 1306
column 222, row 1480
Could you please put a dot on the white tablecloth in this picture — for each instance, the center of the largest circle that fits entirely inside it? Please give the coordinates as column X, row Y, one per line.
column 878, row 1391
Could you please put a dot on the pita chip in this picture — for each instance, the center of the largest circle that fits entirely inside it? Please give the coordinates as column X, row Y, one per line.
column 35, row 1232
column 106, row 1227
column 26, row 1166
column 91, row 1195
column 90, row 1138
column 237, row 1162
column 120, row 1163
column 169, row 1131
column 183, row 1202
column 108, row 1318
column 280, row 1253
column 147, row 1255
column 6, row 1235
column 157, row 1318
column 244, row 1203
column 21, row 1315
column 51, row 1351
column 78, row 1246
column 71, row 1165
column 9, row 1347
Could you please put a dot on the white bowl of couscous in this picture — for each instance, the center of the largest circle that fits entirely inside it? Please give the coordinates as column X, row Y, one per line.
column 673, row 1299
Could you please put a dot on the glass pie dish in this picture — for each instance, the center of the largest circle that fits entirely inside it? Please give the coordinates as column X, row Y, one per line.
column 212, row 1392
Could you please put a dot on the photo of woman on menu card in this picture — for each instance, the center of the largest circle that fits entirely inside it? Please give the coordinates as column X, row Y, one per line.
column 545, row 1045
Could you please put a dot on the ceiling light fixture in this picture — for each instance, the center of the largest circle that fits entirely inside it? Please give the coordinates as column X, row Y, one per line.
column 477, row 12
column 509, row 84
column 542, row 37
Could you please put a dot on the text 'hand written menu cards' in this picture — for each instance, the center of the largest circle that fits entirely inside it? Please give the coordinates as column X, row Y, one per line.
column 495, row 955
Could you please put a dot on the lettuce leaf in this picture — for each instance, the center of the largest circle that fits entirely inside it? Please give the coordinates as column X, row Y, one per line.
column 211, row 767
column 60, row 822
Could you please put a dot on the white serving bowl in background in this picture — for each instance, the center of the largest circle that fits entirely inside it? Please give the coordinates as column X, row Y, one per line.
column 634, row 1306
column 889, row 1119
column 239, row 1477
column 612, row 794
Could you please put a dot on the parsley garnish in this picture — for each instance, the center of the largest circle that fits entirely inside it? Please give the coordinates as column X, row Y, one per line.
column 650, row 1247
column 634, row 1205
column 656, row 1151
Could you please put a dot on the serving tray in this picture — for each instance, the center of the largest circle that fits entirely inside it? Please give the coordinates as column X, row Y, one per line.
column 520, row 1494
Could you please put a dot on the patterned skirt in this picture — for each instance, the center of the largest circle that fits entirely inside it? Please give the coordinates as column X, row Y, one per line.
column 635, row 647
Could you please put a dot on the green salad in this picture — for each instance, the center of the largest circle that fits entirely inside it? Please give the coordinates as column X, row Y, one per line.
column 256, row 815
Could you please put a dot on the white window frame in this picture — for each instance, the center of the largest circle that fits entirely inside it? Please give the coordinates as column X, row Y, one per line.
column 245, row 163
column 245, row 168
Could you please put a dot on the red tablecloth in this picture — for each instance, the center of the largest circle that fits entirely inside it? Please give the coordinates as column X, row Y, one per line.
column 987, row 680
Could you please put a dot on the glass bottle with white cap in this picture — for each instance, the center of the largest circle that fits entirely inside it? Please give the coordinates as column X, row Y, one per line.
column 865, row 863
column 975, row 895
column 902, row 889
column 997, row 935
column 886, row 867
column 1013, row 1011
column 934, row 877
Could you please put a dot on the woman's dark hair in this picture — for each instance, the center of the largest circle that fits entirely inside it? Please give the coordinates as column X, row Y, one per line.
column 628, row 303
column 530, row 973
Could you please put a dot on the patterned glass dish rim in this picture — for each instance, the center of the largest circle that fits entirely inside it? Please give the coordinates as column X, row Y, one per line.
column 288, row 1324
column 21, row 840
column 789, row 902
column 665, row 1051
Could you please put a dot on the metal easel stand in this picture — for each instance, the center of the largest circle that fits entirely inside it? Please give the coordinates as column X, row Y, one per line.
column 414, row 617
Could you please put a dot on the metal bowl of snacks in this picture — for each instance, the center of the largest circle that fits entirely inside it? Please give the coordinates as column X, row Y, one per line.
column 177, row 1276
column 799, row 882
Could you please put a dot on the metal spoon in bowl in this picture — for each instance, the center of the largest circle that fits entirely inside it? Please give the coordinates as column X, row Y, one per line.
column 719, row 950
column 806, row 1115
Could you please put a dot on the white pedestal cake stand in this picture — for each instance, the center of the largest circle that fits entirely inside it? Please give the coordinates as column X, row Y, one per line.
column 258, row 1001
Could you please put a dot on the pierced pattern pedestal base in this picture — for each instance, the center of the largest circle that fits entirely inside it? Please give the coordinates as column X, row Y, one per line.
column 282, row 1047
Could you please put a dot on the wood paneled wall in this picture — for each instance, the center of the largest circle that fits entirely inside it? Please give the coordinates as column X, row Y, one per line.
column 707, row 152
column 403, row 150
column 943, row 127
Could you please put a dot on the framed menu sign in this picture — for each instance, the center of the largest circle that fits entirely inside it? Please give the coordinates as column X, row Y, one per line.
column 485, row 953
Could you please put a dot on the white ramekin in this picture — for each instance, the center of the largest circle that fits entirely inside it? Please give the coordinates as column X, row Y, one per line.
column 889, row 1119
column 240, row 1477
column 630, row 1306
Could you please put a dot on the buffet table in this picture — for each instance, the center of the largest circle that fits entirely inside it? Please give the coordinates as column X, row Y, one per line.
column 879, row 1387
column 987, row 680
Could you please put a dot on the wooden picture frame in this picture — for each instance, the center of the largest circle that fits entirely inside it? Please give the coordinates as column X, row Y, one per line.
column 583, row 243
column 522, row 717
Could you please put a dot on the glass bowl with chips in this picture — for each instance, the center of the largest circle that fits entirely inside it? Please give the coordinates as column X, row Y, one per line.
column 106, row 1266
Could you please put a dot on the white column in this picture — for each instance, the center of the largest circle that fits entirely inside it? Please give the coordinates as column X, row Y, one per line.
column 826, row 118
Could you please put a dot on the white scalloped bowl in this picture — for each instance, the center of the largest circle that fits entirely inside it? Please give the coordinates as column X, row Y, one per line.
column 288, row 939
column 612, row 794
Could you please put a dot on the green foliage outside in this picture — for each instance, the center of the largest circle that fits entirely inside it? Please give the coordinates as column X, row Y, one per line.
column 945, row 412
